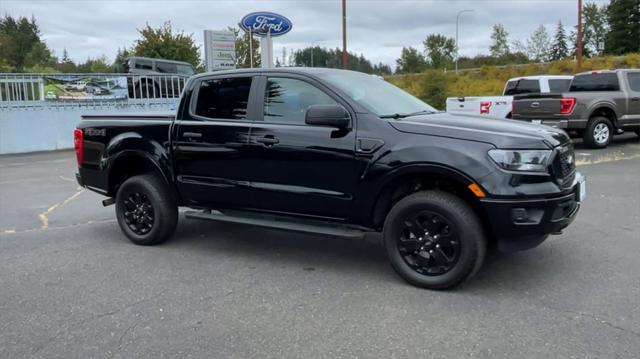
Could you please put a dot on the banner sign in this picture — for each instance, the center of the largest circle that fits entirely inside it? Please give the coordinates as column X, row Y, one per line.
column 263, row 23
column 219, row 50
column 85, row 88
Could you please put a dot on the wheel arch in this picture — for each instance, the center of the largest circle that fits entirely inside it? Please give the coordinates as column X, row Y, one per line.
column 605, row 110
column 413, row 178
column 131, row 163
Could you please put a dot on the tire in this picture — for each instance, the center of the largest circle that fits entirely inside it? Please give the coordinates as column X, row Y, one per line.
column 598, row 132
column 148, row 198
column 464, row 228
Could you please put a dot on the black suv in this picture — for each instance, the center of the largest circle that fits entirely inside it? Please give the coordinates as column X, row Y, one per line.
column 340, row 153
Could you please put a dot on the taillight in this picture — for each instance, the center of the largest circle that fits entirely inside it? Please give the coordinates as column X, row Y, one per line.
column 567, row 104
column 484, row 107
column 78, row 144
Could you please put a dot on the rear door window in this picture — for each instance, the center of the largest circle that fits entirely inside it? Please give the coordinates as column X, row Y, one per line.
column 634, row 81
column 595, row 82
column 166, row 67
column 559, row 85
column 522, row 86
column 224, row 99
column 143, row 64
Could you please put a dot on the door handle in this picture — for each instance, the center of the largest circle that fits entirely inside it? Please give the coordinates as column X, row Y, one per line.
column 268, row 141
column 635, row 99
column 192, row 135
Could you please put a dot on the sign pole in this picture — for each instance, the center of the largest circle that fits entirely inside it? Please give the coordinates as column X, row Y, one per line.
column 250, row 34
column 579, row 39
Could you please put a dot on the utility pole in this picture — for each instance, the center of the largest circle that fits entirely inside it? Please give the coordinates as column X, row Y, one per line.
column 345, row 58
column 457, row 26
column 579, row 39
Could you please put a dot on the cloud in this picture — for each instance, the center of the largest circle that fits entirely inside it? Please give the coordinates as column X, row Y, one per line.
column 377, row 29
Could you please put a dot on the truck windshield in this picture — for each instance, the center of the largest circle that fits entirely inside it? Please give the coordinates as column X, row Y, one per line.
column 376, row 95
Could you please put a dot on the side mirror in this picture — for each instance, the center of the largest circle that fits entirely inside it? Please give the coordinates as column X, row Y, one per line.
column 327, row 115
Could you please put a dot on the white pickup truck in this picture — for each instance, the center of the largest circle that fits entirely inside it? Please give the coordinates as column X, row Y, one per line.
column 500, row 106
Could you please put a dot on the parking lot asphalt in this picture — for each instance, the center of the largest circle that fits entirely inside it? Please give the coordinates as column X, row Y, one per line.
column 72, row 286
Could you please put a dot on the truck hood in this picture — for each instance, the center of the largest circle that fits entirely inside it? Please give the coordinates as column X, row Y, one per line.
column 501, row 133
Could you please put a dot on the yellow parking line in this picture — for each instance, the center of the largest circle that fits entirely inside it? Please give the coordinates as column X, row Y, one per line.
column 43, row 216
column 607, row 158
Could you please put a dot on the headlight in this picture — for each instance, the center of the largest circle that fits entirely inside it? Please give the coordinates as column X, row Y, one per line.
column 521, row 160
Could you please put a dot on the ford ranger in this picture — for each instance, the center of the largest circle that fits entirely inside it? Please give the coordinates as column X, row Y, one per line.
column 338, row 153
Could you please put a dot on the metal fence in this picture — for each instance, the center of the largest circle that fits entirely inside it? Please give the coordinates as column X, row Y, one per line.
column 19, row 90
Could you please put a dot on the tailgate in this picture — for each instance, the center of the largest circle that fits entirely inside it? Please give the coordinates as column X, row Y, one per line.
column 540, row 106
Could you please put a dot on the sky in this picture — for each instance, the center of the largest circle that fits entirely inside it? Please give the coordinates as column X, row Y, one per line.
column 378, row 29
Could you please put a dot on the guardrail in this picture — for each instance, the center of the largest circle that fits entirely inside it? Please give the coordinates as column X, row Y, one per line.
column 26, row 89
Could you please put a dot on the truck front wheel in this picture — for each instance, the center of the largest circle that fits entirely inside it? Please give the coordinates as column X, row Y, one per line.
column 146, row 211
column 434, row 240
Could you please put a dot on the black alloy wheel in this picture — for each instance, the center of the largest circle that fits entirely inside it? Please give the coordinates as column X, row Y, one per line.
column 428, row 243
column 138, row 213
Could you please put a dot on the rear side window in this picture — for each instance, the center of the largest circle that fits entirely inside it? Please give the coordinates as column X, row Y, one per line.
column 595, row 82
column 224, row 98
column 143, row 64
column 634, row 80
column 522, row 86
column 166, row 67
column 559, row 85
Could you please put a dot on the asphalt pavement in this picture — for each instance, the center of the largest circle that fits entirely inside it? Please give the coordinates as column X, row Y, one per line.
column 72, row 286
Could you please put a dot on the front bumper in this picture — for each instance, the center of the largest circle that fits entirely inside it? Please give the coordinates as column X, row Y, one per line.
column 524, row 223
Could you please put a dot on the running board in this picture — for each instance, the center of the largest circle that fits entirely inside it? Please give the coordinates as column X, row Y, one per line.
column 282, row 222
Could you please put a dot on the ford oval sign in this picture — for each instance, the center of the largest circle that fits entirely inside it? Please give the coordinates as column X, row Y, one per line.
column 263, row 23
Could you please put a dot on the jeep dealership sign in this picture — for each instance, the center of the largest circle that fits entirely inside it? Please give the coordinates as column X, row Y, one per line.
column 263, row 23
column 219, row 50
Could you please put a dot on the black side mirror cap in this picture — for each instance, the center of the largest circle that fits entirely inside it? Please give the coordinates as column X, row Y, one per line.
column 327, row 115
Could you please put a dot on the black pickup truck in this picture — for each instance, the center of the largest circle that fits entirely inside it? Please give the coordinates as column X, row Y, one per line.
column 339, row 153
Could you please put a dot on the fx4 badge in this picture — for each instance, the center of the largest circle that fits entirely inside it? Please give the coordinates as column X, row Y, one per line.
column 95, row 132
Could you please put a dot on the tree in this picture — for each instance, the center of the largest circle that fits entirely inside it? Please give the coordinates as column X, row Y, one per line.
column 559, row 49
column 439, row 50
column 410, row 61
column 20, row 44
column 66, row 64
column 382, row 69
column 538, row 45
column 165, row 44
column 624, row 22
column 243, row 49
column 594, row 28
column 121, row 56
column 500, row 46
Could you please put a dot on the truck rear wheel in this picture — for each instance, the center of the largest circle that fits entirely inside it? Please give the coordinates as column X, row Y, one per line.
column 146, row 211
column 598, row 132
column 434, row 240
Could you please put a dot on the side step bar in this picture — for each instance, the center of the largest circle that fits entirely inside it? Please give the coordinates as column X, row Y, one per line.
column 282, row 222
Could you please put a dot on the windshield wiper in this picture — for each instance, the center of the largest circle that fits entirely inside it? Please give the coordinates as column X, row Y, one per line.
column 396, row 116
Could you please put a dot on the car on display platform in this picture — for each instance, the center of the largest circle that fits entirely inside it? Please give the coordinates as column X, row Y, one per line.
column 597, row 105
column 338, row 153
column 501, row 106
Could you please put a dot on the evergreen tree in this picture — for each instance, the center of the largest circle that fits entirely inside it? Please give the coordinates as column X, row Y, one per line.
column 624, row 23
column 21, row 46
column 559, row 49
column 500, row 46
column 594, row 28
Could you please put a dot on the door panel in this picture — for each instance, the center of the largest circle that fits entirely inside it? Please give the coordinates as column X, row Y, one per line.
column 297, row 168
column 210, row 150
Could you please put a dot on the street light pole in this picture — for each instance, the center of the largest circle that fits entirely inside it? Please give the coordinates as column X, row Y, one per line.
column 579, row 39
column 457, row 26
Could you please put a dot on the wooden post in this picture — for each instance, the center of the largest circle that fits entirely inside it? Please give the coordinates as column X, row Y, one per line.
column 579, row 39
column 345, row 57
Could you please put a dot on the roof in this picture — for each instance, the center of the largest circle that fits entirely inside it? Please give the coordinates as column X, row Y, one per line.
column 158, row 59
column 607, row 71
column 303, row 70
column 538, row 77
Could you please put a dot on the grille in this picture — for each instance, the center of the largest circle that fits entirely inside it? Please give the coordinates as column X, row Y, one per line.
column 564, row 164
